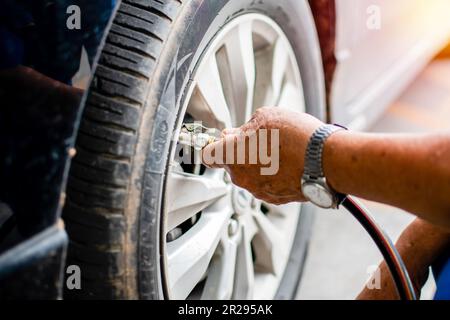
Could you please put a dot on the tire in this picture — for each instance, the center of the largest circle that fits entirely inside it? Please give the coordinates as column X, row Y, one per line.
column 116, row 182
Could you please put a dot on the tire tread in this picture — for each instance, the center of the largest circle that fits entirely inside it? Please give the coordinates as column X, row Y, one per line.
column 99, row 177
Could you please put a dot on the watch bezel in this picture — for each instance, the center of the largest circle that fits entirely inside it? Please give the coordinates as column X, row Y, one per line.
column 319, row 183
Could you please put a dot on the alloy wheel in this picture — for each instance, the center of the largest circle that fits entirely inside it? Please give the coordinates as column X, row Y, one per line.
column 219, row 242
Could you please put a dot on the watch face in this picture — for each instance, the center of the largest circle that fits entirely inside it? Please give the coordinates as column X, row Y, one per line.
column 318, row 195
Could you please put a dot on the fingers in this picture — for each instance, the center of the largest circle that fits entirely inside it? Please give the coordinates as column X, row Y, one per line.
column 255, row 122
column 215, row 155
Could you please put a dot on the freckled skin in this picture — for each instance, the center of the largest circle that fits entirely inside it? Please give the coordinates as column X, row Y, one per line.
column 411, row 172
column 399, row 170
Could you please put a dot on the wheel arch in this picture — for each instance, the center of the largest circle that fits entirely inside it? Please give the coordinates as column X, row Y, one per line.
column 312, row 62
column 324, row 13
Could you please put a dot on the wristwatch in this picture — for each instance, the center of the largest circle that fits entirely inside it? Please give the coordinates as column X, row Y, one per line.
column 314, row 184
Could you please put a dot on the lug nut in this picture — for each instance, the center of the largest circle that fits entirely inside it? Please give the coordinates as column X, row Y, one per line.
column 233, row 227
column 226, row 177
column 254, row 203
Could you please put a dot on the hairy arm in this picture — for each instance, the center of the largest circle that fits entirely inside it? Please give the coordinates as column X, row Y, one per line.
column 411, row 172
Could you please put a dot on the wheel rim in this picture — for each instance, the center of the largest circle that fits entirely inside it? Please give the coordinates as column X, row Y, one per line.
column 219, row 241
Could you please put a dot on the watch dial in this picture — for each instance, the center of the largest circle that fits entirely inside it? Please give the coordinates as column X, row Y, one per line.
column 318, row 195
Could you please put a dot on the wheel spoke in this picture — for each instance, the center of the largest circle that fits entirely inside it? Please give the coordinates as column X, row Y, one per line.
column 209, row 87
column 240, row 63
column 220, row 281
column 280, row 61
column 188, row 257
column 188, row 194
column 268, row 245
column 249, row 225
column 291, row 97
column 245, row 272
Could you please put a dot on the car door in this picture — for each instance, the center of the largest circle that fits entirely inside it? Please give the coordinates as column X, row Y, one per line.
column 40, row 52
column 381, row 45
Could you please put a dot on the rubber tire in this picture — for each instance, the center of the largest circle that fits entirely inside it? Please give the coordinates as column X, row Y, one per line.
column 115, row 187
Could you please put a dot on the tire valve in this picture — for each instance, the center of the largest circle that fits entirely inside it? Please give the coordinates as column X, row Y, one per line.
column 197, row 136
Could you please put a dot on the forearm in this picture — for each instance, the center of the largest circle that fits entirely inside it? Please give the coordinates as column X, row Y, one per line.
column 409, row 172
column 420, row 245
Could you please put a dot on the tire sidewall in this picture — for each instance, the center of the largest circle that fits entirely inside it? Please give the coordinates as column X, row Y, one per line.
column 192, row 32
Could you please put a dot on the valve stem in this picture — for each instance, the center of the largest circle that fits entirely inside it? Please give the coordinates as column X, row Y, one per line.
column 197, row 136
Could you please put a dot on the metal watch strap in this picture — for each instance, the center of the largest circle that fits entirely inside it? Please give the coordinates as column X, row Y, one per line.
column 314, row 150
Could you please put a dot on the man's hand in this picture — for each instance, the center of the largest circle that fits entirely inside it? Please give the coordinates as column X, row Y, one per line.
column 411, row 172
column 295, row 130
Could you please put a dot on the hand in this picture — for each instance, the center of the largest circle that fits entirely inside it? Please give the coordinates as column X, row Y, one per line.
column 279, row 186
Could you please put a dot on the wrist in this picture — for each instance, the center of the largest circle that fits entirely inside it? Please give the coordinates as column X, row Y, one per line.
column 314, row 184
column 335, row 171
